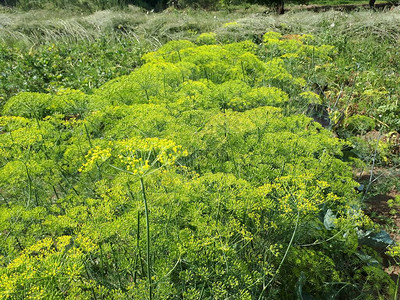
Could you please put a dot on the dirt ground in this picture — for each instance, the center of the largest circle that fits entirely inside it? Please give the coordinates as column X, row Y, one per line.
column 379, row 211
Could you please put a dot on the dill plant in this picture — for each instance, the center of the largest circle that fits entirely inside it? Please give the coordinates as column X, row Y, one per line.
column 199, row 147
column 137, row 157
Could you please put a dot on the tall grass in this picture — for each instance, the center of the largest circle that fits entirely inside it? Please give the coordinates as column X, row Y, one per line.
column 75, row 4
column 43, row 26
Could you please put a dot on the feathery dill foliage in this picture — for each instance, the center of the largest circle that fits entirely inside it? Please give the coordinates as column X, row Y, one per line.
column 186, row 179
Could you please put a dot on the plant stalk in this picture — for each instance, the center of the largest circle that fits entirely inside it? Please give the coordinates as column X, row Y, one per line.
column 146, row 211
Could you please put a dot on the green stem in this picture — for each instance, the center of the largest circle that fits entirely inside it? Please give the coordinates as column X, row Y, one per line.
column 146, row 211
column 243, row 71
column 91, row 146
column 30, row 187
column 88, row 135
column 284, row 256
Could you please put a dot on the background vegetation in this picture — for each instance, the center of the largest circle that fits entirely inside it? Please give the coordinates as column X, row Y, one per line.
column 159, row 5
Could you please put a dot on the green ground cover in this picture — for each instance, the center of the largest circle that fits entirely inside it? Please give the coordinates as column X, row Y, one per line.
column 195, row 171
column 344, row 2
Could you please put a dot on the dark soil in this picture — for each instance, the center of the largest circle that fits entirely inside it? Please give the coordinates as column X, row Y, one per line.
column 379, row 211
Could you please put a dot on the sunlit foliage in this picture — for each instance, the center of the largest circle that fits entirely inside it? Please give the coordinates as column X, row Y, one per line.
column 246, row 201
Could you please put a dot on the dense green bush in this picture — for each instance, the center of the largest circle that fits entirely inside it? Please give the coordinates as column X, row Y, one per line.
column 360, row 124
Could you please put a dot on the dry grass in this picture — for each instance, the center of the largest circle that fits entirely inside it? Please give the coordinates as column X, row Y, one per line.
column 42, row 26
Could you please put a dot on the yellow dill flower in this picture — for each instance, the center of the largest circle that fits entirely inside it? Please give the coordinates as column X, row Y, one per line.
column 231, row 24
